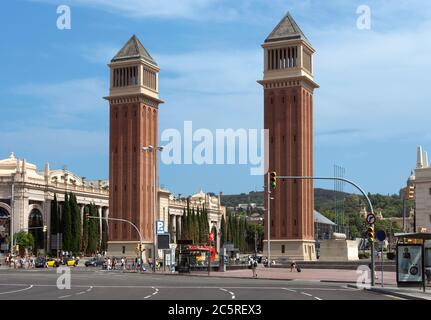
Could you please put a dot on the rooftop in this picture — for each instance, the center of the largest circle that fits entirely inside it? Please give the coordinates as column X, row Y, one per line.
column 133, row 49
column 287, row 29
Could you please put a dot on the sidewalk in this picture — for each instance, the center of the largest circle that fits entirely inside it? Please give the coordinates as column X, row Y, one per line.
column 325, row 275
column 405, row 293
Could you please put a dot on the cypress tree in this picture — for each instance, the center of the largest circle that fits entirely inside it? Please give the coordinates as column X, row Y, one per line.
column 183, row 234
column 104, row 244
column 84, row 242
column 67, row 225
column 54, row 216
column 222, row 231
column 76, row 223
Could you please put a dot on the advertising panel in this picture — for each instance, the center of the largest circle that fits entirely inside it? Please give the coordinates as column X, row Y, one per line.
column 409, row 263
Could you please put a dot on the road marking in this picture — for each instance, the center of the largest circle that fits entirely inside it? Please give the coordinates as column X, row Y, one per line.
column 230, row 292
column 64, row 296
column 79, row 293
column 146, row 297
column 306, row 294
column 291, row 290
column 89, row 289
column 317, row 298
column 20, row 290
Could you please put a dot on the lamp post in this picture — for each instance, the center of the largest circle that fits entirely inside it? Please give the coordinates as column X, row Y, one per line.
column 150, row 149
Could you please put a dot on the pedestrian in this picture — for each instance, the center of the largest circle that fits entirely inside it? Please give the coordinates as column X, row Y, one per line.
column 254, row 267
column 293, row 266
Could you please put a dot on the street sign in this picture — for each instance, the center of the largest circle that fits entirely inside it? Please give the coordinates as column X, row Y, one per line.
column 381, row 235
column 371, row 218
column 160, row 227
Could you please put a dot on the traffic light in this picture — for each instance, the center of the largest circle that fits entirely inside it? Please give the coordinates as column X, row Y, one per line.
column 273, row 180
column 140, row 247
column 45, row 228
column 410, row 192
column 370, row 233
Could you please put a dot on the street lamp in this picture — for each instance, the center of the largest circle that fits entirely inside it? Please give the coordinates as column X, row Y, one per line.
column 150, row 149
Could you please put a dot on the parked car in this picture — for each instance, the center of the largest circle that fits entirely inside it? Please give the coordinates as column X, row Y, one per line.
column 70, row 262
column 52, row 263
column 40, row 262
column 94, row 262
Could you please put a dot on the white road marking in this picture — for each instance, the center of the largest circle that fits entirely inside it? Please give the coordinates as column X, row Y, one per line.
column 79, row 293
column 317, row 298
column 230, row 292
column 20, row 290
column 64, row 296
column 291, row 290
column 306, row 294
column 89, row 289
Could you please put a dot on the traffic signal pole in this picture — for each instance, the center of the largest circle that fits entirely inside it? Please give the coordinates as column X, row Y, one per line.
column 269, row 220
column 122, row 220
column 351, row 183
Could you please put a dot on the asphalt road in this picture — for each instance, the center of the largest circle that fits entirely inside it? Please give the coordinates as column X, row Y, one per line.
column 94, row 284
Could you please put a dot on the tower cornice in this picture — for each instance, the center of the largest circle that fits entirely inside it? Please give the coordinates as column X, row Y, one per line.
column 134, row 98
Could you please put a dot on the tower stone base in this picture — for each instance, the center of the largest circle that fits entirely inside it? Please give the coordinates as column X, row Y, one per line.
column 129, row 250
column 298, row 250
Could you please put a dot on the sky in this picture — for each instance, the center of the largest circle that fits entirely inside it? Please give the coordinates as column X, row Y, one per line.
column 371, row 111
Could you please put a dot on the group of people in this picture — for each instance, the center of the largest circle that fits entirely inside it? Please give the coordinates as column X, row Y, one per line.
column 20, row 262
column 114, row 263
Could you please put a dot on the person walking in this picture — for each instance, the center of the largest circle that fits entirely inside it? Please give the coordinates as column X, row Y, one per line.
column 254, row 267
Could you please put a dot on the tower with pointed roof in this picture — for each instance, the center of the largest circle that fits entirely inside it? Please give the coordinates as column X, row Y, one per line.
column 288, row 85
column 133, row 111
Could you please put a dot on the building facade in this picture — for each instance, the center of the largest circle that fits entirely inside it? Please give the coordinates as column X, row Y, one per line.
column 421, row 181
column 172, row 209
column 288, row 115
column 26, row 195
column 133, row 108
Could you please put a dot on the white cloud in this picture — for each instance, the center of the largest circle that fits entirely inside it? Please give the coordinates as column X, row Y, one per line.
column 188, row 9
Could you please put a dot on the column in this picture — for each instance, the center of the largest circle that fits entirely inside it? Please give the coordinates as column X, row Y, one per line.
column 99, row 211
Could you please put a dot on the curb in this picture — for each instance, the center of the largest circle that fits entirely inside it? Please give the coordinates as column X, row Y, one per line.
column 391, row 293
column 207, row 276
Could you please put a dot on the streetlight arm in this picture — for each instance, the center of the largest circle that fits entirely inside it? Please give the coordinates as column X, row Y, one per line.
column 122, row 220
column 334, row 178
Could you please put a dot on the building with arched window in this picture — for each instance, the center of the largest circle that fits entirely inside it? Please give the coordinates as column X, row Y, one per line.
column 26, row 195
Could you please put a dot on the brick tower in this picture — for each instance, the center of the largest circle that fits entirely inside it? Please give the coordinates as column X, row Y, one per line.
column 288, row 115
column 133, row 106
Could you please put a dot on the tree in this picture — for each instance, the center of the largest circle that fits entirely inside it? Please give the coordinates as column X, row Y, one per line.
column 93, row 231
column 104, row 243
column 25, row 241
column 84, row 239
column 55, row 219
column 222, row 232
column 76, row 224
column 67, row 225
column 184, row 234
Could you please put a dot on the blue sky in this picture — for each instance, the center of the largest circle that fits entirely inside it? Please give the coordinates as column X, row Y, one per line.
column 371, row 112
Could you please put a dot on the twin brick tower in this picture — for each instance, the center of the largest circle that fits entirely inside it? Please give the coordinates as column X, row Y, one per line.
column 288, row 111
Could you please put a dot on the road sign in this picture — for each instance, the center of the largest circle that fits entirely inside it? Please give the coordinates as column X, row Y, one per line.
column 381, row 235
column 160, row 227
column 371, row 218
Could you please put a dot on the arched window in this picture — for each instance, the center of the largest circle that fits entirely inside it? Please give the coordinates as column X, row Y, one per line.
column 4, row 230
column 35, row 227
